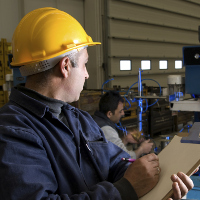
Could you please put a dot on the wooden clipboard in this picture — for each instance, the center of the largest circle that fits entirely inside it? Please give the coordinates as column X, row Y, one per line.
column 175, row 157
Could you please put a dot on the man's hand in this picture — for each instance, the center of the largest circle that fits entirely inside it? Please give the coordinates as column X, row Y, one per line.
column 143, row 174
column 181, row 185
column 129, row 139
column 144, row 148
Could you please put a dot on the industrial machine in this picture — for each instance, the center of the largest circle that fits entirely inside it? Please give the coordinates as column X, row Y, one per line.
column 179, row 86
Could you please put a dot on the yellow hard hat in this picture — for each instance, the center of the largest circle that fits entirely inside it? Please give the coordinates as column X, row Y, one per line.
column 46, row 33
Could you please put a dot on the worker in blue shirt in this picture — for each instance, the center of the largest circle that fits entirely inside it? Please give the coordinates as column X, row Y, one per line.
column 49, row 149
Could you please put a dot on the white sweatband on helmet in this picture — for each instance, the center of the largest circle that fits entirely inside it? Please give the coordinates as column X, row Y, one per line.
column 34, row 68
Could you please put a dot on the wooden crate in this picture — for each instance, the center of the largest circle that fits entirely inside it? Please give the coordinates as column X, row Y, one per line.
column 183, row 117
column 131, row 115
column 160, row 118
column 7, row 50
column 130, row 108
column 88, row 101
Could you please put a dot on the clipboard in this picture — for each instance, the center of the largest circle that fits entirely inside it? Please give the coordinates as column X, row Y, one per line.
column 177, row 156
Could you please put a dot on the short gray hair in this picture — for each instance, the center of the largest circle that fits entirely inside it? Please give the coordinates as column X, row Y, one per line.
column 73, row 57
column 42, row 77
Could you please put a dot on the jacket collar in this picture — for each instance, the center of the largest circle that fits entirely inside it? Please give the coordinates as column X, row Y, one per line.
column 32, row 101
column 104, row 119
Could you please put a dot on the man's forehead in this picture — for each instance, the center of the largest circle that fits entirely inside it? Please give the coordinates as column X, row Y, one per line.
column 84, row 54
column 120, row 106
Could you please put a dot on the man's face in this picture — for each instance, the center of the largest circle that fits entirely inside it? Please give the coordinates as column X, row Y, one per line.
column 77, row 76
column 119, row 113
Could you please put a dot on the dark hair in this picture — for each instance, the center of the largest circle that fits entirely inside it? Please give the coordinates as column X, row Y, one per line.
column 109, row 101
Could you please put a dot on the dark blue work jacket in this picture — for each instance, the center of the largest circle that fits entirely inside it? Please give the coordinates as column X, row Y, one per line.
column 41, row 158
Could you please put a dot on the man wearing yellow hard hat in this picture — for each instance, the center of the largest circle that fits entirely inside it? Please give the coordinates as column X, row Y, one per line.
column 49, row 149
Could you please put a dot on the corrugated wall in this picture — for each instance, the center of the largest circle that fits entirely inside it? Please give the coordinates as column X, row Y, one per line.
column 149, row 30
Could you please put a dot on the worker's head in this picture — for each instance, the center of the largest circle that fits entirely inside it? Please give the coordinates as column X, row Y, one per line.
column 111, row 104
column 43, row 37
column 48, row 37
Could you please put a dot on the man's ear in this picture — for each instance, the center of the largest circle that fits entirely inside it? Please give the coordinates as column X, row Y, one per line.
column 109, row 114
column 65, row 65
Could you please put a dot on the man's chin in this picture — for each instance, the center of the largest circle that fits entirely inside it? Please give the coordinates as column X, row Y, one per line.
column 77, row 98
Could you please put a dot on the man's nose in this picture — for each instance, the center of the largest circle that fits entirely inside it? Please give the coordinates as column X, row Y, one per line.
column 86, row 75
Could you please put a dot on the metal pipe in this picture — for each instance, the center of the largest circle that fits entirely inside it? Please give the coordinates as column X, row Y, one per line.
column 139, row 108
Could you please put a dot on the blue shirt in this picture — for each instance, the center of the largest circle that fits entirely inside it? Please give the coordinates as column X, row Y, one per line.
column 42, row 158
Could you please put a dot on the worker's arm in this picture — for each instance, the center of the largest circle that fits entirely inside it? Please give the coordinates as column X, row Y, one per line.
column 113, row 136
column 144, row 148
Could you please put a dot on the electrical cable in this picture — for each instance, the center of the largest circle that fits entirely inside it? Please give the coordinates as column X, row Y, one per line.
column 126, row 100
column 120, row 127
column 106, row 83
column 159, row 87
column 188, row 126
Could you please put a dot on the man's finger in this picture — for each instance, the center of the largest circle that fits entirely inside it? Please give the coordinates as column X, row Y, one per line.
column 186, row 180
column 176, row 191
column 180, row 186
column 152, row 157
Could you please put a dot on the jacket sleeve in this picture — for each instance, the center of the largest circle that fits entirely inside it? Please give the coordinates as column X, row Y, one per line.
column 126, row 190
column 26, row 172
column 112, row 136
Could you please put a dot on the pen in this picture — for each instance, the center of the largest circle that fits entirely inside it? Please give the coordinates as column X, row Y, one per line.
column 128, row 159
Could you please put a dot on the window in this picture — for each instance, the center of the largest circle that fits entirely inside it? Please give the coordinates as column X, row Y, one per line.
column 178, row 64
column 163, row 64
column 145, row 64
column 125, row 65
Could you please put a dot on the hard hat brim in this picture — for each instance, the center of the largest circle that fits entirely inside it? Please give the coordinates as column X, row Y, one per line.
column 54, row 55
